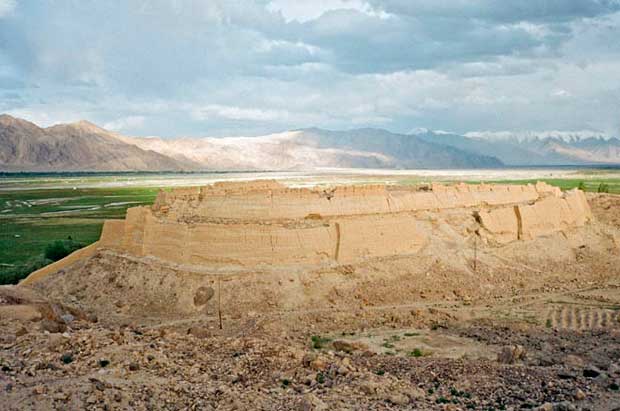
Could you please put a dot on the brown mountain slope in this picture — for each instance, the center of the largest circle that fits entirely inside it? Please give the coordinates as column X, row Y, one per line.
column 79, row 146
column 84, row 146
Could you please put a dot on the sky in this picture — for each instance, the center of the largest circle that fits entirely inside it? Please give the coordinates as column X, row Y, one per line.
column 230, row 68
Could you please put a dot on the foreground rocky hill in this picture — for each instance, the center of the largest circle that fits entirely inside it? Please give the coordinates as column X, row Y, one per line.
column 482, row 297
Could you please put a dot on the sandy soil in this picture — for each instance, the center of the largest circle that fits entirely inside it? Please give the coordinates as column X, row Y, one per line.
column 535, row 325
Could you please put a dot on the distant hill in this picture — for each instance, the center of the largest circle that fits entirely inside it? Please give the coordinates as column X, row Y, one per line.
column 311, row 148
column 398, row 150
column 74, row 147
column 85, row 146
column 547, row 150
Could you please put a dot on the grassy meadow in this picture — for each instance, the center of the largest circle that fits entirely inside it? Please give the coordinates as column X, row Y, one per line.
column 33, row 219
column 39, row 211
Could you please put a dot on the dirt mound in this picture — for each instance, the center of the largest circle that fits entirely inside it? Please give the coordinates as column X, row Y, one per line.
column 122, row 286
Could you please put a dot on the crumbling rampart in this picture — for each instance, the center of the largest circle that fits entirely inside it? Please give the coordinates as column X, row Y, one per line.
column 266, row 224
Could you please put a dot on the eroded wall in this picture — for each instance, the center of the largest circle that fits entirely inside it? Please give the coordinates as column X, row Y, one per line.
column 264, row 223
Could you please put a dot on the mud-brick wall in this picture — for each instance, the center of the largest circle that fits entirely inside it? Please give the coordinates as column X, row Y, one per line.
column 342, row 240
column 544, row 217
column 285, row 203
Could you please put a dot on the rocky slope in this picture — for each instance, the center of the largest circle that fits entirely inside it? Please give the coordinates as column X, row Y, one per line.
column 309, row 148
column 74, row 147
column 84, row 146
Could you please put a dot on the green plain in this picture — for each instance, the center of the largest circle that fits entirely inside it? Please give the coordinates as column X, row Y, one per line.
column 32, row 219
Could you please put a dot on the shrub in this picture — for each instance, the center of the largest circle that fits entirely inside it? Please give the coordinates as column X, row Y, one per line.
column 319, row 342
column 416, row 353
column 582, row 186
column 60, row 249
column 603, row 188
column 12, row 275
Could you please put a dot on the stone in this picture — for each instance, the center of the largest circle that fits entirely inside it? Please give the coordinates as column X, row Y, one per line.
column 567, row 375
column 369, row 387
column 53, row 326
column 591, row 372
column 21, row 332
column 199, row 332
column 60, row 396
column 39, row 390
column 67, row 318
column 311, row 402
column 511, row 354
column 308, row 358
column 579, row 395
column 398, row 399
column 415, row 393
column 203, row 295
column 348, row 346
column 318, row 364
column 573, row 361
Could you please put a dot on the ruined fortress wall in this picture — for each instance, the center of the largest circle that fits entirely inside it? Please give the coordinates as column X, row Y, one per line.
column 553, row 214
column 112, row 233
column 528, row 221
column 343, row 240
column 279, row 202
column 265, row 223
column 501, row 224
column 238, row 244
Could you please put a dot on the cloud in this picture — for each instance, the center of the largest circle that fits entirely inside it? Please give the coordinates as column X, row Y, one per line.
column 189, row 67
column 501, row 10
column 301, row 11
column 6, row 7
column 238, row 113
column 125, row 123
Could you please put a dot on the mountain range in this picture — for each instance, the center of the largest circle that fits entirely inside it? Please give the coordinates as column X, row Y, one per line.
column 83, row 146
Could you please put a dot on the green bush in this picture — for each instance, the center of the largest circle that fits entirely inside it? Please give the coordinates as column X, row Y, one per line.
column 603, row 188
column 60, row 249
column 12, row 275
column 416, row 353
column 53, row 252
column 582, row 186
